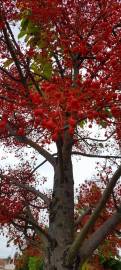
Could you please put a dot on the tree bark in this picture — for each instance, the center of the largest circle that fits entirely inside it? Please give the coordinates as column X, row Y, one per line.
column 98, row 236
column 61, row 216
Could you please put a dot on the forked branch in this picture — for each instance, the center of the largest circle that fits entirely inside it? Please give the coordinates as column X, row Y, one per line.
column 97, row 237
column 83, row 233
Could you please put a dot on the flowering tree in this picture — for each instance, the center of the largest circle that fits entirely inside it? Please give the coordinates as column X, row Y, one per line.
column 54, row 86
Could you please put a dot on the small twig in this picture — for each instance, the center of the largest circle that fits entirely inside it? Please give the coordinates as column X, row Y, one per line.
column 99, row 140
column 38, row 166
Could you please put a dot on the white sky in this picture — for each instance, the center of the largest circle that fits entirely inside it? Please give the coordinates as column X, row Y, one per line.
column 4, row 250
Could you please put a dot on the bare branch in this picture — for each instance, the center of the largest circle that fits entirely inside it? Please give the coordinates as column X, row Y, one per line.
column 42, row 163
column 94, row 156
column 81, row 236
column 11, row 48
column 99, row 140
column 38, row 166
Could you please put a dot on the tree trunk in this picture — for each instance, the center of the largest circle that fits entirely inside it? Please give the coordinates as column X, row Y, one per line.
column 61, row 216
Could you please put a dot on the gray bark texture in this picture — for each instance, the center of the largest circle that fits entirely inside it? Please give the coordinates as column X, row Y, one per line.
column 61, row 218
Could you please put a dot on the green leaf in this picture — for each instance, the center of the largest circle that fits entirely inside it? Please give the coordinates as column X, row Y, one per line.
column 8, row 62
column 47, row 70
column 32, row 263
column 27, row 28
column 24, row 23
column 21, row 34
column 108, row 111
column 102, row 259
column 36, row 68
column 82, row 123
column 36, row 263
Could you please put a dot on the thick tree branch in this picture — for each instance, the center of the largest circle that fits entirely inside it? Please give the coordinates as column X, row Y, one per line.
column 34, row 191
column 115, row 202
column 97, row 237
column 13, row 55
column 34, row 145
column 81, row 236
column 80, row 218
column 40, row 150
